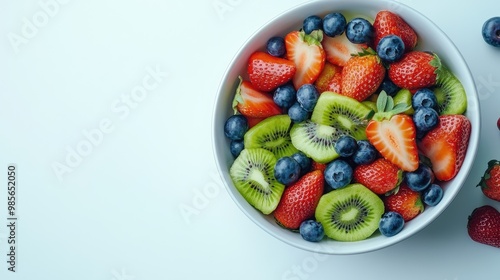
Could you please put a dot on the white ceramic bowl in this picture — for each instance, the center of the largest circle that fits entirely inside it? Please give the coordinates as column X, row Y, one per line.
column 430, row 38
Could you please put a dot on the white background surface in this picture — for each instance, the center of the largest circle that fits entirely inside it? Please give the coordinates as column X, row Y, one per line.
column 145, row 201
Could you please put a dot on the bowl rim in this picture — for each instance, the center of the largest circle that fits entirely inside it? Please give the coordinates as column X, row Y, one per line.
column 464, row 172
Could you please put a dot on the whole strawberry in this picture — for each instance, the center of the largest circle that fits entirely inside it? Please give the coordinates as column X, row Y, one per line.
column 405, row 201
column 490, row 182
column 415, row 70
column 362, row 75
column 380, row 176
column 267, row 72
column 298, row 202
column 483, row 226
column 387, row 23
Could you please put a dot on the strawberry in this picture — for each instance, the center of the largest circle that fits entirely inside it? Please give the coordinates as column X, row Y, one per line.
column 362, row 75
column 252, row 121
column 339, row 49
column 298, row 202
column 380, row 176
column 416, row 69
column 329, row 79
column 318, row 166
column 490, row 182
column 387, row 23
column 394, row 134
column 483, row 226
column 446, row 145
column 253, row 103
column 405, row 201
column 306, row 52
column 267, row 72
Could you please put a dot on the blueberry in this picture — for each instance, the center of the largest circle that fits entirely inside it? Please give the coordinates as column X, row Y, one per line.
column 297, row 113
column 419, row 179
column 425, row 119
column 311, row 230
column 391, row 223
column 276, row 46
column 334, row 24
column 287, row 170
column 346, row 146
column 236, row 146
column 432, row 195
column 284, row 96
column 388, row 86
column 307, row 96
column 424, row 97
column 359, row 31
column 235, row 127
column 311, row 23
column 390, row 48
column 304, row 161
column 365, row 153
column 338, row 174
column 491, row 31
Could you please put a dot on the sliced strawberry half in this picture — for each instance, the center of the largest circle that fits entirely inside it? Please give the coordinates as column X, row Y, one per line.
column 306, row 51
column 446, row 145
column 253, row 103
column 267, row 72
column 339, row 49
column 393, row 134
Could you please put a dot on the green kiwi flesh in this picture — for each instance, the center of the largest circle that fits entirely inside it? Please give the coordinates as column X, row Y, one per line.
column 343, row 113
column 350, row 214
column 272, row 134
column 252, row 174
column 315, row 140
column 404, row 96
column 450, row 93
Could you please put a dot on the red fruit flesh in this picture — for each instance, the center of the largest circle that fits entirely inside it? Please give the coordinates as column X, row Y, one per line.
column 329, row 79
column 446, row 145
column 339, row 49
column 253, row 103
column 395, row 140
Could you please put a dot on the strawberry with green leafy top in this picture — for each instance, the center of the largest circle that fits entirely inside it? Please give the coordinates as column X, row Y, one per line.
column 483, row 225
column 393, row 134
column 362, row 75
column 415, row 70
column 490, row 182
column 267, row 72
column 387, row 23
column 253, row 103
column 298, row 202
column 306, row 52
column 380, row 176
column 446, row 145
column 405, row 201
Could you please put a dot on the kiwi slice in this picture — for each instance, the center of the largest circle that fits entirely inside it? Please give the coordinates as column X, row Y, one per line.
column 315, row 140
column 350, row 214
column 273, row 135
column 344, row 113
column 252, row 174
column 450, row 93
column 404, row 96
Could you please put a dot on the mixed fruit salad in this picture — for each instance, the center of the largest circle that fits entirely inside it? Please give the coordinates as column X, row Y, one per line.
column 345, row 128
